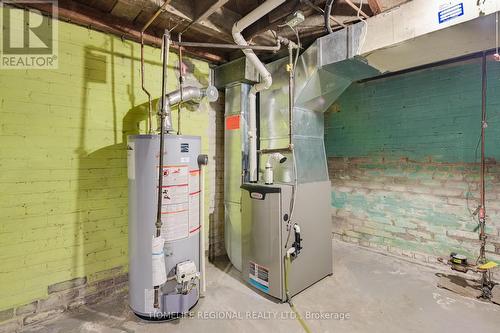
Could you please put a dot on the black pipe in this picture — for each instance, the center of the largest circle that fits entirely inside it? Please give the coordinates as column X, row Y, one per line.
column 482, row 208
column 181, row 81
column 230, row 46
column 158, row 223
column 326, row 15
column 166, row 36
column 291, row 88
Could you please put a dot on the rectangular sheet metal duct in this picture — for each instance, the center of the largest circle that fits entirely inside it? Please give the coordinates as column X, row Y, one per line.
column 407, row 36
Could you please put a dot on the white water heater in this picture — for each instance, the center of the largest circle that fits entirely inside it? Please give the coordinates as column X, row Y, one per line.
column 180, row 215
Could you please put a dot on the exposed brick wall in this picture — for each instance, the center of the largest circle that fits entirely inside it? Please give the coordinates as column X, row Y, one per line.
column 64, row 296
column 216, row 218
column 416, row 209
column 63, row 167
column 403, row 162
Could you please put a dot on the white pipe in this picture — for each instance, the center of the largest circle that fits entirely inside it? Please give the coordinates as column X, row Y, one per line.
column 265, row 77
column 252, row 136
column 202, row 231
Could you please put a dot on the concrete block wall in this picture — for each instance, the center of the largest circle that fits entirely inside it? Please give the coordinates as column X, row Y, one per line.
column 63, row 168
column 403, row 162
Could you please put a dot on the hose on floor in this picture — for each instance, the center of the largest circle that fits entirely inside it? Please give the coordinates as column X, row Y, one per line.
column 301, row 320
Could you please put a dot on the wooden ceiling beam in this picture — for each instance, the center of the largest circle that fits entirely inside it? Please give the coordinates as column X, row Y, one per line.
column 342, row 9
column 271, row 20
column 205, row 9
column 217, row 26
column 375, row 6
column 83, row 15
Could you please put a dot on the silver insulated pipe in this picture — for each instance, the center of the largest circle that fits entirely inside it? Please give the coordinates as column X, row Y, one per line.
column 188, row 94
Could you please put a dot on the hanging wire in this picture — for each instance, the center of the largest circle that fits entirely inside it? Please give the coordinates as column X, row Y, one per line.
column 496, row 55
column 326, row 15
column 365, row 32
column 298, row 48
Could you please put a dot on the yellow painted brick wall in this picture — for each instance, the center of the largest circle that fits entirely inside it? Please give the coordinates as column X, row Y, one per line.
column 63, row 179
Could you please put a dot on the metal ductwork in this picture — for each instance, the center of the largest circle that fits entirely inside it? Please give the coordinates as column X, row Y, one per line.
column 265, row 77
column 421, row 32
column 410, row 35
column 413, row 34
column 188, row 94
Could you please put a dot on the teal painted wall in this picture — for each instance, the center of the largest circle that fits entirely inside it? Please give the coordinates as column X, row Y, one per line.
column 433, row 113
column 403, row 161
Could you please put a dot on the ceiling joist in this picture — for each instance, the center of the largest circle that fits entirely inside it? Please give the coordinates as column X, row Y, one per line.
column 212, row 20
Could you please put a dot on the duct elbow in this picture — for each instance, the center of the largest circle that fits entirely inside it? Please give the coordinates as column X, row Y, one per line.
column 236, row 32
column 166, row 115
column 238, row 37
column 265, row 83
column 187, row 94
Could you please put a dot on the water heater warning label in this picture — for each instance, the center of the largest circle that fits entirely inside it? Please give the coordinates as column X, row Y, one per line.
column 175, row 202
column 259, row 276
column 175, row 175
column 194, row 201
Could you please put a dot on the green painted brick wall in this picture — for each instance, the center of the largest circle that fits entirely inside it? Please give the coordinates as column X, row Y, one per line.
column 430, row 114
column 403, row 161
column 63, row 177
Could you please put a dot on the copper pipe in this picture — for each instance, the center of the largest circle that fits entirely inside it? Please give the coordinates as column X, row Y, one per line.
column 155, row 15
column 275, row 150
column 150, row 103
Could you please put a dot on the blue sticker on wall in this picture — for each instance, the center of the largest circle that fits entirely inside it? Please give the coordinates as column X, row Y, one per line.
column 451, row 12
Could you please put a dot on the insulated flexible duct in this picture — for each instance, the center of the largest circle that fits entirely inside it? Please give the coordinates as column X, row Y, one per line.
column 187, row 94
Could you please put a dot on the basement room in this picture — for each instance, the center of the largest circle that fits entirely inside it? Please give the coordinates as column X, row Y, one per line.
column 308, row 166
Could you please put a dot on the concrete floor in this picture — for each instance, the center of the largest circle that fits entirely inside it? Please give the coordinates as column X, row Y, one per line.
column 377, row 293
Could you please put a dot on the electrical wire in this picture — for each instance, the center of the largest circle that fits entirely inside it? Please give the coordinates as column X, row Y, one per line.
column 298, row 50
column 496, row 35
column 289, row 300
column 365, row 24
column 326, row 15
column 467, row 196
column 291, row 223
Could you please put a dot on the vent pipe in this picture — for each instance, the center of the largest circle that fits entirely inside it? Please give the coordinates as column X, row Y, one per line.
column 265, row 77
column 187, row 94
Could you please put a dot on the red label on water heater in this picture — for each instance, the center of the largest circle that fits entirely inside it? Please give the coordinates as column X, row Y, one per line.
column 233, row 122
